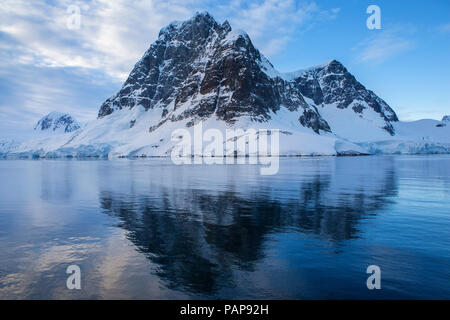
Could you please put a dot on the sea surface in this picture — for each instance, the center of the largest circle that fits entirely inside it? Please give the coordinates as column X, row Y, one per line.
column 149, row 229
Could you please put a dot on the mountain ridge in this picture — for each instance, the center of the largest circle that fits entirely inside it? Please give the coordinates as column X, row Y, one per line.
column 201, row 71
column 234, row 65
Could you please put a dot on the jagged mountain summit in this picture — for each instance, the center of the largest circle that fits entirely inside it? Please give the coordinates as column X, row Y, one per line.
column 57, row 122
column 201, row 70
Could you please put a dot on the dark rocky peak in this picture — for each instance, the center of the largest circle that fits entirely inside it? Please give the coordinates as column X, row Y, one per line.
column 446, row 119
column 226, row 26
column 181, row 50
column 333, row 66
column 198, row 28
column 331, row 83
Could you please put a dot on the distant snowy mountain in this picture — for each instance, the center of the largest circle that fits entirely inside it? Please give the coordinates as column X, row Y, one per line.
column 8, row 145
column 57, row 122
column 446, row 119
column 200, row 70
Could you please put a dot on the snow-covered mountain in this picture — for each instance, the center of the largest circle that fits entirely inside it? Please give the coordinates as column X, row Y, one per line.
column 8, row 145
column 200, row 70
column 54, row 127
column 56, row 122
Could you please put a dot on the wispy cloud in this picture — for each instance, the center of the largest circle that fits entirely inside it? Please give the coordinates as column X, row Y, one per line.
column 114, row 34
column 385, row 44
column 445, row 28
column 46, row 66
column 29, row 92
column 271, row 23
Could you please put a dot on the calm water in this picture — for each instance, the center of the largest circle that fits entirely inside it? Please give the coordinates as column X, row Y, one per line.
column 149, row 229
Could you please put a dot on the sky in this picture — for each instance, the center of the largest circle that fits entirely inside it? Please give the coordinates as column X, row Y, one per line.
column 52, row 59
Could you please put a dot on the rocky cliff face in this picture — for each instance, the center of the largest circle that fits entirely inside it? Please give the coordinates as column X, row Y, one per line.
column 199, row 68
column 333, row 84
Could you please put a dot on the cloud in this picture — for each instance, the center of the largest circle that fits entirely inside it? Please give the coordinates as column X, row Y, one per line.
column 46, row 66
column 382, row 45
column 113, row 35
column 445, row 28
column 262, row 21
column 29, row 92
column 271, row 24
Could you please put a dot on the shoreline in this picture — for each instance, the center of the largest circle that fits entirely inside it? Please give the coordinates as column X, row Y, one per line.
column 224, row 157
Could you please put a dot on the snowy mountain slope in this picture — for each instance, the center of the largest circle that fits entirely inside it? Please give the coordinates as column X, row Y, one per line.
column 423, row 130
column 417, row 137
column 200, row 70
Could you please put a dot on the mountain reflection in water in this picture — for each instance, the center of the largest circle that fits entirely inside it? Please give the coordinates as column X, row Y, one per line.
column 148, row 229
column 198, row 236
